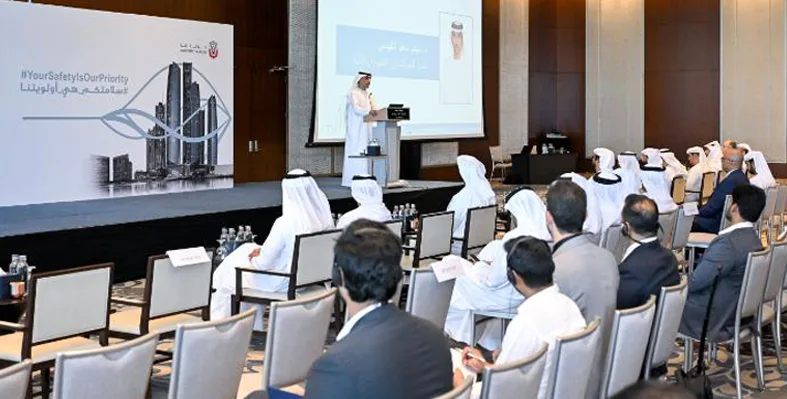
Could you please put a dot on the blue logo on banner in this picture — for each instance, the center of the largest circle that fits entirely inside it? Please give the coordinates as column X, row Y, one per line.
column 387, row 53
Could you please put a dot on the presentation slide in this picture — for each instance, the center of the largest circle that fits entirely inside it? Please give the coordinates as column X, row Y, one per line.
column 99, row 105
column 425, row 55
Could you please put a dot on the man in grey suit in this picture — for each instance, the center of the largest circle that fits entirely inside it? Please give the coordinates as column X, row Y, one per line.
column 381, row 352
column 730, row 250
column 584, row 272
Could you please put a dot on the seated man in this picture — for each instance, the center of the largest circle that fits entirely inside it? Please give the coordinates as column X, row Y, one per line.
column 381, row 352
column 544, row 316
column 757, row 167
column 729, row 250
column 369, row 196
column 709, row 218
column 646, row 265
column 476, row 192
column 696, row 158
column 584, row 272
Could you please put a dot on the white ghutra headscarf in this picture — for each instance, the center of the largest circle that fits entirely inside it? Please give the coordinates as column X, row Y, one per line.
column 304, row 205
column 674, row 167
column 593, row 220
column 713, row 160
column 763, row 177
column 530, row 213
column 629, row 172
column 476, row 192
column 369, row 196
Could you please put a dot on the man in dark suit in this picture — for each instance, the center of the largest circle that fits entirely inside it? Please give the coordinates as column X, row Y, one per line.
column 381, row 352
column 729, row 250
column 646, row 265
column 709, row 218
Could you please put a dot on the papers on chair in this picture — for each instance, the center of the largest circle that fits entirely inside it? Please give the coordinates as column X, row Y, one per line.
column 691, row 209
column 188, row 256
column 456, row 362
column 449, row 268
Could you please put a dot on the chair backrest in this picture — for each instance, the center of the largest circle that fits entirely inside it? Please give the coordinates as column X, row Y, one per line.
column 496, row 153
column 14, row 380
column 574, row 356
column 171, row 289
column 518, row 379
column 119, row 371
column 210, row 357
column 427, row 298
column 776, row 271
column 771, row 197
column 434, row 235
column 463, row 391
column 296, row 336
column 669, row 312
column 628, row 343
column 720, row 175
column 753, row 286
column 615, row 242
column 679, row 189
column 396, row 227
column 68, row 303
column 781, row 202
column 724, row 222
column 683, row 223
column 706, row 186
column 667, row 223
column 480, row 228
column 312, row 262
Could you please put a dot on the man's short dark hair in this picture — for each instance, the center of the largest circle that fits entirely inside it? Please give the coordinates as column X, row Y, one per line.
column 642, row 214
column 369, row 255
column 654, row 390
column 750, row 200
column 531, row 259
column 567, row 203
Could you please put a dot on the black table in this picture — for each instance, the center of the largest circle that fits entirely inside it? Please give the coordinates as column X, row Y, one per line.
column 542, row 168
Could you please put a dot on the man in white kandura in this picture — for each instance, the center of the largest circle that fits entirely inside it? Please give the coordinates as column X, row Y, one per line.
column 629, row 172
column 713, row 156
column 699, row 165
column 608, row 187
column 360, row 103
column 476, row 192
column 369, row 196
column 305, row 209
column 656, row 183
column 485, row 285
column 758, row 168
column 673, row 166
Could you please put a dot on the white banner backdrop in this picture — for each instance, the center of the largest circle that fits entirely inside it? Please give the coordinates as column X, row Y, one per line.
column 97, row 105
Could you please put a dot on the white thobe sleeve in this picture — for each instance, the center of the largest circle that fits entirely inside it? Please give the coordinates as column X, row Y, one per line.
column 358, row 104
column 372, row 102
column 274, row 245
column 694, row 180
column 498, row 274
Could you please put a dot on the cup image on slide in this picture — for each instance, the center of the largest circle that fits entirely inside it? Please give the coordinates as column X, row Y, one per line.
column 456, row 59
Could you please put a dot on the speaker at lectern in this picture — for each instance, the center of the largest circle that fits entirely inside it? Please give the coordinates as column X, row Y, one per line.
column 388, row 133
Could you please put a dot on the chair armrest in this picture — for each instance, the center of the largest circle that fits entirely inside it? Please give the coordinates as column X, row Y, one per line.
column 127, row 302
column 4, row 325
column 457, row 239
column 270, row 273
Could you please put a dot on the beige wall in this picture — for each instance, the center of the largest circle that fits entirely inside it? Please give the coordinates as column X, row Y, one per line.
column 753, row 75
column 514, row 42
column 615, row 68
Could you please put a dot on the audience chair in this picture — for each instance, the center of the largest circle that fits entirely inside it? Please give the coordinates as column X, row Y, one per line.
column 14, row 380
column 748, row 307
column 615, row 242
column 518, row 379
column 172, row 295
column 432, row 240
column 680, row 238
column 667, row 222
column 765, row 224
column 463, row 391
column 63, row 308
column 703, row 240
column 781, row 207
column 118, row 371
column 296, row 337
column 396, row 226
column 479, row 229
column 427, row 298
column 706, row 186
column 666, row 322
column 572, row 360
column 628, row 344
column 772, row 298
column 310, row 272
column 210, row 357
column 678, row 189
column 499, row 161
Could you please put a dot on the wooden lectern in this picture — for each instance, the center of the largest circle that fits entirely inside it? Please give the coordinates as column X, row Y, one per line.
column 388, row 133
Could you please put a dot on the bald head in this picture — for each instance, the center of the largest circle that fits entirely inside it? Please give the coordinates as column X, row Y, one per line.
column 641, row 214
column 733, row 160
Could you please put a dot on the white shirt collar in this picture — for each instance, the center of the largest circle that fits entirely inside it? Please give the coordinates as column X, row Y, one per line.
column 741, row 225
column 355, row 319
column 636, row 245
column 553, row 289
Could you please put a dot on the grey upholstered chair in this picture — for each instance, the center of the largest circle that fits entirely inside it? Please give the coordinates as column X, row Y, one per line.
column 669, row 311
column 427, row 298
column 15, row 379
column 521, row 378
column 573, row 357
column 628, row 344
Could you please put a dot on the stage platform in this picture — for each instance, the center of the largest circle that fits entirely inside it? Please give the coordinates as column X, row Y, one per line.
column 127, row 230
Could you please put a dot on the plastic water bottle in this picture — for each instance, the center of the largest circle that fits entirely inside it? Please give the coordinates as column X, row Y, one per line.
column 21, row 267
column 13, row 265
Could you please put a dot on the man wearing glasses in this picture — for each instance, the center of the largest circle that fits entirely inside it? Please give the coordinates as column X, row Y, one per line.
column 709, row 218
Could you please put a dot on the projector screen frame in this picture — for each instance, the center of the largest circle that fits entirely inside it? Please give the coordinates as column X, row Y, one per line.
column 310, row 143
